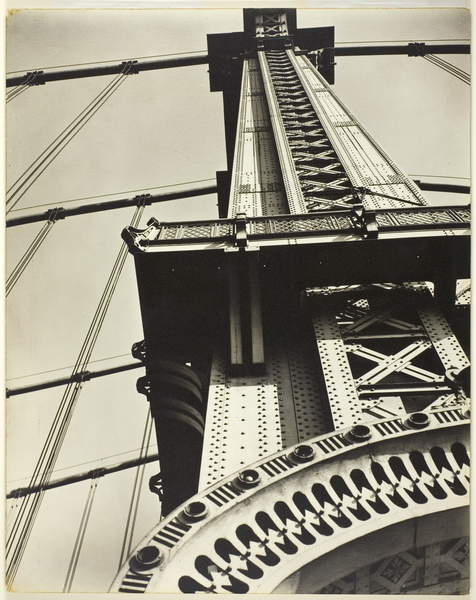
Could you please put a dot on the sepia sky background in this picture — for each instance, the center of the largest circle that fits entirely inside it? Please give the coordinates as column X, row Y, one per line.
column 160, row 128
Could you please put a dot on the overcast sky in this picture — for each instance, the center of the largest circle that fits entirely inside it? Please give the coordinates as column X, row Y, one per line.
column 161, row 128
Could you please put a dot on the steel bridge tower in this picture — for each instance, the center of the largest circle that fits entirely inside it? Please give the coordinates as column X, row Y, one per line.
column 305, row 358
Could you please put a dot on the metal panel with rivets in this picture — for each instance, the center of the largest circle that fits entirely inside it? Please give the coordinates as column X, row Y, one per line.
column 384, row 350
column 250, row 417
column 252, row 531
column 256, row 185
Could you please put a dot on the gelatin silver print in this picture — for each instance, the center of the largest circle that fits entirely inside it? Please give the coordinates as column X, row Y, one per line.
column 238, row 301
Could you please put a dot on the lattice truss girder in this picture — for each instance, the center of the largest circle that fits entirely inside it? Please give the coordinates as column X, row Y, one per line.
column 385, row 349
column 271, row 24
column 297, row 141
column 363, row 160
column 323, row 153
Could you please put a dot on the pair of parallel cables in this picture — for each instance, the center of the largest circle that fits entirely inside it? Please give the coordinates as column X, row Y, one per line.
column 19, row 534
column 449, row 68
column 20, row 89
column 23, row 183
column 20, row 187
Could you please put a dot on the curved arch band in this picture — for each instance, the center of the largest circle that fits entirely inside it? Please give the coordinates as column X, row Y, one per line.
column 251, row 540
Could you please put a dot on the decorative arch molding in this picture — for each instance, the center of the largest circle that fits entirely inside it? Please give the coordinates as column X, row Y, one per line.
column 253, row 530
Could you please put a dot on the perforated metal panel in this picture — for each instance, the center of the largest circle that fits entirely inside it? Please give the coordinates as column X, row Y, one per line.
column 444, row 341
column 338, row 378
column 243, row 422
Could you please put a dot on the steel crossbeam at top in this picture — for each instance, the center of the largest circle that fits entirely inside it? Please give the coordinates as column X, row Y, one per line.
column 203, row 58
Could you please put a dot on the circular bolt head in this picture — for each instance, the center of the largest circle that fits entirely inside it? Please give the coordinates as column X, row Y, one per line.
column 248, row 478
column 195, row 511
column 146, row 558
column 303, row 453
column 360, row 433
column 418, row 420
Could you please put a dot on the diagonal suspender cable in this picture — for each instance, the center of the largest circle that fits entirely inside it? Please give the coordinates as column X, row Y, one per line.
column 135, row 496
column 29, row 254
column 19, row 89
column 449, row 68
column 23, row 183
column 18, row 536
column 78, row 544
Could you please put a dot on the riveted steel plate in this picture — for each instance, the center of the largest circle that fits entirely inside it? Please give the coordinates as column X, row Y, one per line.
column 444, row 341
column 250, row 417
column 256, row 185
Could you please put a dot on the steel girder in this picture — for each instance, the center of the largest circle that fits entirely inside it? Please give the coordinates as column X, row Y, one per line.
column 385, row 349
column 314, row 201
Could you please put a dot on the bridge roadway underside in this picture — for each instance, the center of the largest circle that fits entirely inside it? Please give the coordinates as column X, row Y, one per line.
column 188, row 303
column 202, row 273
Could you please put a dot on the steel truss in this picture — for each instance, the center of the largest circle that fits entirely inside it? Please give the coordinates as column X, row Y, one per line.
column 385, row 349
column 308, row 343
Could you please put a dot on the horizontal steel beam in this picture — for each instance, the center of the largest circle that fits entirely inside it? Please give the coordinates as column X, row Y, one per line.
column 58, row 213
column 100, row 472
column 61, row 213
column 82, row 376
column 405, row 49
column 443, row 187
column 203, row 58
column 145, row 65
column 321, row 227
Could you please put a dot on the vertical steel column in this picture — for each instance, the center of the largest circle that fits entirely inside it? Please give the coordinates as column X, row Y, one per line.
column 338, row 379
column 174, row 392
column 256, row 184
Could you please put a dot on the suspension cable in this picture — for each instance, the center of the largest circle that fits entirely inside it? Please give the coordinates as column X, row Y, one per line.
column 29, row 253
column 78, row 544
column 59, row 138
column 449, row 68
column 147, row 189
column 136, row 491
column 104, row 62
column 461, row 75
column 18, row 537
column 67, row 367
column 13, row 493
column 72, row 479
column 16, row 91
column 23, row 183
column 81, row 376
